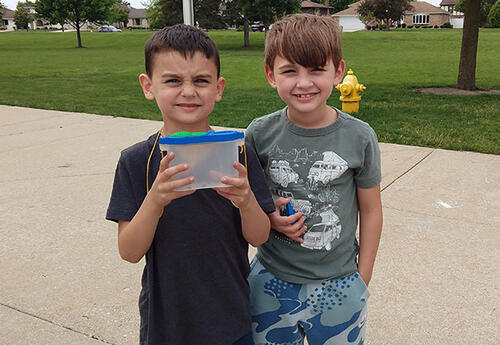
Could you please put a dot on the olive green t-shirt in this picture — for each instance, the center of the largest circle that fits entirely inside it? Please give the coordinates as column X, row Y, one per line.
column 319, row 170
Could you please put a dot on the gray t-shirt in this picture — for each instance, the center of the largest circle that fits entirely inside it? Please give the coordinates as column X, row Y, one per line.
column 319, row 169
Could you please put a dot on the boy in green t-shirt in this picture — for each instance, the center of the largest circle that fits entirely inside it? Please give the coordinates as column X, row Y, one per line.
column 323, row 166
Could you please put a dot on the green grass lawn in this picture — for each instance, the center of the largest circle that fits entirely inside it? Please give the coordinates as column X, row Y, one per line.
column 45, row 70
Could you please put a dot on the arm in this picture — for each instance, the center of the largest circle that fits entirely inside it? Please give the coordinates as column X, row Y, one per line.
column 370, row 229
column 135, row 237
column 255, row 224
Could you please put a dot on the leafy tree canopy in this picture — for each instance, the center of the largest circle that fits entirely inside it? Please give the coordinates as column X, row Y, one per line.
column 494, row 15
column 75, row 12
column 268, row 11
column 484, row 9
column 22, row 16
column 384, row 11
column 338, row 5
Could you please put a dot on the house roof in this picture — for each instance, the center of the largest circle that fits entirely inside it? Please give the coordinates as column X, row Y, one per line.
column 310, row 4
column 425, row 7
column 6, row 13
column 352, row 10
column 136, row 13
column 448, row 2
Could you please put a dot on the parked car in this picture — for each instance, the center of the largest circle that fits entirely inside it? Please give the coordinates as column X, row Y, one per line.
column 258, row 26
column 108, row 28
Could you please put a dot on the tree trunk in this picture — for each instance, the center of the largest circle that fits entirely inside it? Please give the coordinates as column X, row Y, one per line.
column 468, row 53
column 246, row 34
column 78, row 35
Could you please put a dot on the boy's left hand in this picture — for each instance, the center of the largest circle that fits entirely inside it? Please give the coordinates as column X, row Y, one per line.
column 239, row 191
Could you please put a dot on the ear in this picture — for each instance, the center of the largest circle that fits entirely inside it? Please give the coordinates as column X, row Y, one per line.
column 146, row 84
column 221, row 83
column 339, row 73
column 270, row 76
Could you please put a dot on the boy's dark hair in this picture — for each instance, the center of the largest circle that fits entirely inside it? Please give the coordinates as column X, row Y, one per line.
column 306, row 39
column 181, row 38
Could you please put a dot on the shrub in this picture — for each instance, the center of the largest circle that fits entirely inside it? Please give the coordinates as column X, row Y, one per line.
column 2, row 28
column 494, row 15
column 447, row 25
column 410, row 26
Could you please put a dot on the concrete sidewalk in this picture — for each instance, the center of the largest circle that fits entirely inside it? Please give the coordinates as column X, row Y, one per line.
column 436, row 280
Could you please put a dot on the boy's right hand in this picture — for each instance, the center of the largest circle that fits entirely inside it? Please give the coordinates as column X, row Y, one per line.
column 162, row 191
column 291, row 226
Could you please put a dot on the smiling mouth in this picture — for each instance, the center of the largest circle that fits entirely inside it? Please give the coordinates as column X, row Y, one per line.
column 305, row 96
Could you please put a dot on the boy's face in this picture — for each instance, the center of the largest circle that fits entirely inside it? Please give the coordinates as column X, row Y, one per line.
column 185, row 89
column 305, row 90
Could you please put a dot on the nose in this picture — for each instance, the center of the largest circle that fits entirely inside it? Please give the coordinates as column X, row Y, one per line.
column 188, row 90
column 304, row 81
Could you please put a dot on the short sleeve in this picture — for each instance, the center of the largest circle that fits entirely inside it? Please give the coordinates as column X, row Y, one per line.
column 369, row 174
column 122, row 204
column 258, row 182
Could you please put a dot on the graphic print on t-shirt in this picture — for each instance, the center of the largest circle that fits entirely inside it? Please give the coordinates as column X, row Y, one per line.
column 308, row 179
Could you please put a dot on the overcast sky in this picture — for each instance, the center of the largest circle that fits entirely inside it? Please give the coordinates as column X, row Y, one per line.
column 11, row 4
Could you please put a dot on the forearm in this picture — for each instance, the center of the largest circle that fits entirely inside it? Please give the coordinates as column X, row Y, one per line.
column 135, row 237
column 255, row 223
column 370, row 229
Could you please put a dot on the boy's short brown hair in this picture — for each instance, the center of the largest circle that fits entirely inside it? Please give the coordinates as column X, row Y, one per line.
column 181, row 38
column 306, row 39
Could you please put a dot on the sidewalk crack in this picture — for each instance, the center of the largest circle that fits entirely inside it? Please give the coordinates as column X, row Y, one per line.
column 407, row 171
column 57, row 324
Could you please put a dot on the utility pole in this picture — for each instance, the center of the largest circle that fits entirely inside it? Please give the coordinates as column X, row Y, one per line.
column 187, row 12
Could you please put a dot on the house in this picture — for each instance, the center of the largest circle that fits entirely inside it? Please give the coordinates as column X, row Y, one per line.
column 449, row 6
column 7, row 19
column 137, row 18
column 457, row 18
column 423, row 13
column 315, row 8
column 348, row 19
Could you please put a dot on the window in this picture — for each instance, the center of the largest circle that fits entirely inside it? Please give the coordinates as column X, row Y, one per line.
column 5, row 22
column 420, row 19
column 137, row 21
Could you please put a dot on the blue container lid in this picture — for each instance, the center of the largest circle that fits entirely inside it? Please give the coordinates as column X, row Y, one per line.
column 204, row 137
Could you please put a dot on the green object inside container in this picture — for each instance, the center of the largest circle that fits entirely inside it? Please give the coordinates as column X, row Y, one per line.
column 186, row 134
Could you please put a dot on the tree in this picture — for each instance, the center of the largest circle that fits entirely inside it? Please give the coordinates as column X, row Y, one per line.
column 22, row 16
column 265, row 11
column 119, row 13
column 75, row 12
column 494, row 15
column 338, row 5
column 384, row 11
column 484, row 9
column 1, row 14
column 208, row 14
column 468, row 53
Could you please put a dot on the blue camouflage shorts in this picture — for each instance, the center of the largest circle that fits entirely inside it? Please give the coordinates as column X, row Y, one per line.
column 331, row 312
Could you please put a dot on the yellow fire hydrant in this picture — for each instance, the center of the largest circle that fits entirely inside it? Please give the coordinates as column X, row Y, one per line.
column 350, row 92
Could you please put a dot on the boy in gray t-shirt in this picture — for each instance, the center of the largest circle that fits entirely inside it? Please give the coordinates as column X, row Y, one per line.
column 310, row 278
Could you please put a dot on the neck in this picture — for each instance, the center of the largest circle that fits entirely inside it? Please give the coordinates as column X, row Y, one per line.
column 170, row 128
column 319, row 119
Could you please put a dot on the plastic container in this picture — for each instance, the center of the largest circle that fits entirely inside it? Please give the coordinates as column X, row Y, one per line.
column 210, row 156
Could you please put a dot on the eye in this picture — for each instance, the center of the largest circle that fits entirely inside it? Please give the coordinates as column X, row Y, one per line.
column 172, row 81
column 318, row 69
column 288, row 71
column 201, row 81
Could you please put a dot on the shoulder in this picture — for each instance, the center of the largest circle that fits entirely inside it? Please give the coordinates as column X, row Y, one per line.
column 356, row 128
column 265, row 122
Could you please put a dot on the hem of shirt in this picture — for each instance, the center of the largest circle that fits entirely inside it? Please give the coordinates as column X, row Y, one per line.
column 300, row 280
